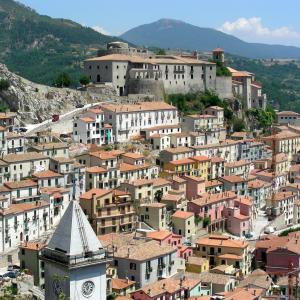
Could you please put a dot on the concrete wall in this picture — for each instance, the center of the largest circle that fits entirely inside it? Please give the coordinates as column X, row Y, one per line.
column 224, row 86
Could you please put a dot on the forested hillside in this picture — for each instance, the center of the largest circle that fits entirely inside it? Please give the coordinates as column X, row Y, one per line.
column 39, row 47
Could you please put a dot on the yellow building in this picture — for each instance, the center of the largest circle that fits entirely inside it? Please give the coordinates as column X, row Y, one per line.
column 180, row 167
column 184, row 223
column 195, row 264
column 108, row 210
column 222, row 250
column 202, row 166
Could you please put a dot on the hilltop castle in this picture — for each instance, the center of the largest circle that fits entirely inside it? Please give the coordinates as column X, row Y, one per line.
column 133, row 71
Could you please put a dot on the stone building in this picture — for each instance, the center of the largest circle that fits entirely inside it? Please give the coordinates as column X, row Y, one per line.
column 139, row 74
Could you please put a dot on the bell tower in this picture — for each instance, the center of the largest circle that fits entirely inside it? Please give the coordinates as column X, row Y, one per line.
column 75, row 261
column 218, row 55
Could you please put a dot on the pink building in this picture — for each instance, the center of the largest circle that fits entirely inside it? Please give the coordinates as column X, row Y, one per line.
column 239, row 216
column 195, row 186
column 279, row 254
column 212, row 206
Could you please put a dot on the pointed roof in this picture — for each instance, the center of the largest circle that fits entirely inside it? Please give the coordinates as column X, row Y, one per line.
column 74, row 234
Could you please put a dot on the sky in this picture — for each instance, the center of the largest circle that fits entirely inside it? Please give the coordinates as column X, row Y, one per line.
column 267, row 21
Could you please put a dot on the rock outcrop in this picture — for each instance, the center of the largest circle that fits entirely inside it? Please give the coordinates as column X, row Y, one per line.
column 35, row 102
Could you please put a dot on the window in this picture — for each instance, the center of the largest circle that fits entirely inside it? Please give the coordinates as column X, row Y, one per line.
column 219, row 250
column 116, row 263
column 132, row 266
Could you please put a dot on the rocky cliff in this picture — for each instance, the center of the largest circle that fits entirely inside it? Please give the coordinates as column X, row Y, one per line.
column 34, row 102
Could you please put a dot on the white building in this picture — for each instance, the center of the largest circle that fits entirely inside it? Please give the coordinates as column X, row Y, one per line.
column 128, row 120
column 90, row 128
column 15, row 142
column 23, row 165
column 23, row 222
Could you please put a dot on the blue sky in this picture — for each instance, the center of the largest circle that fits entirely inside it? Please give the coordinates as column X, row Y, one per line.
column 269, row 21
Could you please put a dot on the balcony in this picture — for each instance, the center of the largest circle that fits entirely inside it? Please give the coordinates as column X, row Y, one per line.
column 161, row 266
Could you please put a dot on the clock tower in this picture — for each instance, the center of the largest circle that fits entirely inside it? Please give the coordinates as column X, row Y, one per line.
column 75, row 261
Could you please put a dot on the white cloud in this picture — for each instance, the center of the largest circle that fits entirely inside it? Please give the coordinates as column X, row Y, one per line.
column 253, row 30
column 101, row 30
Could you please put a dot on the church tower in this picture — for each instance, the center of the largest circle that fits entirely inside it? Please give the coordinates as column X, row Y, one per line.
column 218, row 55
column 75, row 261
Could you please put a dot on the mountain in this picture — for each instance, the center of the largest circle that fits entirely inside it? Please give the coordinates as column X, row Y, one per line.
column 174, row 34
column 38, row 47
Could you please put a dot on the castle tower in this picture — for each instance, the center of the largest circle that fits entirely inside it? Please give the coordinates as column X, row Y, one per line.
column 218, row 55
column 75, row 261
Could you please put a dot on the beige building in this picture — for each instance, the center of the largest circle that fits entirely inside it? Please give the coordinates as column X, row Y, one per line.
column 287, row 142
column 25, row 164
column 108, row 210
column 154, row 215
column 51, row 149
column 141, row 190
column 222, row 250
column 184, row 223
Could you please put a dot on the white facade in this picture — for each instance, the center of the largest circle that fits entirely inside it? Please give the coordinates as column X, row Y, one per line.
column 90, row 128
column 128, row 120
column 23, row 222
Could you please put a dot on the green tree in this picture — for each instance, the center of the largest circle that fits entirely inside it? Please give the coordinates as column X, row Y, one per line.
column 63, row 80
column 161, row 52
column 158, row 195
column 4, row 84
column 206, row 222
column 238, row 124
column 84, row 80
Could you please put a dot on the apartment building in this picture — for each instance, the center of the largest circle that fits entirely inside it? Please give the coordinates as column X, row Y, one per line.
column 184, row 223
column 154, row 215
column 15, row 142
column 211, row 206
column 141, row 260
column 236, row 184
column 23, row 222
column 222, row 250
column 287, row 117
column 283, row 203
column 51, row 149
column 287, row 142
column 128, row 120
column 259, row 191
column 171, row 154
column 90, row 128
column 26, row 190
column 141, row 190
column 217, row 167
column 24, row 164
column 108, row 210
column 240, row 168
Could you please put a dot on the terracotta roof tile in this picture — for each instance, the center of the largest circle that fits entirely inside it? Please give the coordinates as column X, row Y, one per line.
column 182, row 214
column 21, row 184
